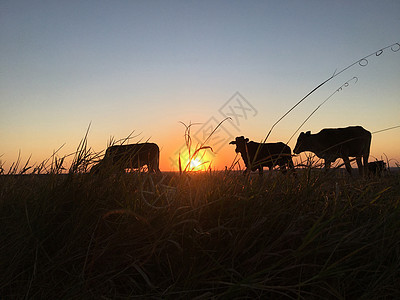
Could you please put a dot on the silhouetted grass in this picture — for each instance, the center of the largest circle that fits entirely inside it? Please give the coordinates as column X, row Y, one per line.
column 211, row 234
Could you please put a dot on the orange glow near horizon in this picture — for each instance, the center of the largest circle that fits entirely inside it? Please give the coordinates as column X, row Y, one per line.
column 195, row 161
column 382, row 148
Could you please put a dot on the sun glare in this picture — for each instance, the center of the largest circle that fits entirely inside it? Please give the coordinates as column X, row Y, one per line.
column 195, row 163
column 200, row 162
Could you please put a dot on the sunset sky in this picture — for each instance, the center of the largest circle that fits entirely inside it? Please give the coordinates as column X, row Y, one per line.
column 146, row 66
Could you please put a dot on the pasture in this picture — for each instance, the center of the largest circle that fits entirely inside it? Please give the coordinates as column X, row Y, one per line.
column 207, row 235
column 80, row 227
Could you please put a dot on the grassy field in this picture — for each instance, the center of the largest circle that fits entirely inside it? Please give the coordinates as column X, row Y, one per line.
column 207, row 235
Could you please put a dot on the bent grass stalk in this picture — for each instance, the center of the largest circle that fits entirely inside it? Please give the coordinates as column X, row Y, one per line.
column 193, row 154
column 362, row 62
column 211, row 235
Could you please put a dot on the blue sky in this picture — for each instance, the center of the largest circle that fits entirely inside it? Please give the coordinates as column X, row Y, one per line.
column 146, row 65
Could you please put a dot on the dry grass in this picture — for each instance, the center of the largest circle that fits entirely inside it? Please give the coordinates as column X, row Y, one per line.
column 211, row 234
column 188, row 235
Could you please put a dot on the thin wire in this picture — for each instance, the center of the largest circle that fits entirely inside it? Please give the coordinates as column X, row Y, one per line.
column 344, row 85
column 394, row 127
column 362, row 62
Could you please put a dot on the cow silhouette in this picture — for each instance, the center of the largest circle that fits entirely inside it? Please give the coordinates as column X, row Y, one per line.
column 333, row 143
column 133, row 156
column 259, row 155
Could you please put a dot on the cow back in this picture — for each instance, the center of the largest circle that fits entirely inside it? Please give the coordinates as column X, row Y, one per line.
column 350, row 141
column 134, row 155
column 269, row 154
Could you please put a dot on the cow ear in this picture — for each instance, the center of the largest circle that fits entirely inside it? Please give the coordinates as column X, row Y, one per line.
column 232, row 143
column 246, row 140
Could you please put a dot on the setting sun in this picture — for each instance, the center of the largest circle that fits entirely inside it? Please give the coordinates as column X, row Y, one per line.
column 199, row 161
column 195, row 163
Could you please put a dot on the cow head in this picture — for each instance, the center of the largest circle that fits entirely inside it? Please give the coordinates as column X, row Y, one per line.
column 302, row 142
column 240, row 143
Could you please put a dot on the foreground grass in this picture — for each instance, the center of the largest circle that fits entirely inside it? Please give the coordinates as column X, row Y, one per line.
column 199, row 235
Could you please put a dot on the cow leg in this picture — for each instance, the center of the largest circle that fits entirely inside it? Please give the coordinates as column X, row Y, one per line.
column 260, row 170
column 153, row 167
column 347, row 164
column 360, row 166
column 327, row 165
column 365, row 163
column 291, row 164
column 291, row 167
column 150, row 168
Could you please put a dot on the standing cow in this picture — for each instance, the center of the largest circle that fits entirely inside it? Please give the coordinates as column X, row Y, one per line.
column 268, row 155
column 333, row 143
column 134, row 156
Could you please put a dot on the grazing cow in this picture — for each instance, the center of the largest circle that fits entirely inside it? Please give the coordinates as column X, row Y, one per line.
column 333, row 143
column 377, row 167
column 268, row 155
column 132, row 156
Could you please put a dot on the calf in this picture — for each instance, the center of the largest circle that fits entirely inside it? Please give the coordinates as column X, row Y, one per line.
column 259, row 155
column 134, row 156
